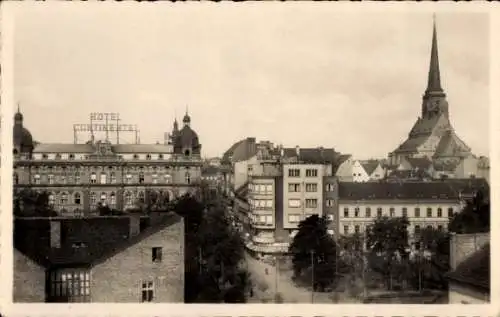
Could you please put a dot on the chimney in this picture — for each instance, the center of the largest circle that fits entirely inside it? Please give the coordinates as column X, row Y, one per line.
column 297, row 150
column 135, row 225
column 55, row 234
column 166, row 138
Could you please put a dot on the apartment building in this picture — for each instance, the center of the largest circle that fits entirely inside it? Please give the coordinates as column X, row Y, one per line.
column 123, row 259
column 425, row 204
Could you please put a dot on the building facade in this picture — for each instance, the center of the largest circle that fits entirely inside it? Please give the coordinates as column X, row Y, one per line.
column 80, row 177
column 125, row 262
column 428, row 204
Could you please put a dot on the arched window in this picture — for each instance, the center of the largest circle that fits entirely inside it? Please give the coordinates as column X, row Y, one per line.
column 63, row 179
column 148, row 156
column 36, row 178
column 141, row 177
column 429, row 212
column 58, row 156
column 64, row 198
column 160, row 157
column 187, row 152
column 14, row 152
column 128, row 198
column 112, row 199
column 93, row 198
column 103, row 178
column 155, row 178
column 72, row 156
column 440, row 212
column 77, row 178
column 141, row 197
column 417, row 230
column 52, row 199
column 188, row 178
column 50, row 178
column 77, row 198
column 113, row 178
column 93, row 178
column 450, row 212
column 379, row 212
column 168, row 178
column 103, row 196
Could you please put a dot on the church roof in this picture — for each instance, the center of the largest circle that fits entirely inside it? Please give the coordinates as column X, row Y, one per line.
column 450, row 145
column 421, row 163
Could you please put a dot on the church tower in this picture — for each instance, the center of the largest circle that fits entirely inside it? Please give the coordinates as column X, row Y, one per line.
column 434, row 100
column 432, row 136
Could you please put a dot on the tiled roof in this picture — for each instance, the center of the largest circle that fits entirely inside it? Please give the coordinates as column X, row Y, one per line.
column 418, row 174
column 396, row 190
column 84, row 241
column 419, row 162
column 451, row 145
column 63, row 148
column 369, row 166
column 240, row 151
column 312, row 155
column 474, row 270
column 142, row 148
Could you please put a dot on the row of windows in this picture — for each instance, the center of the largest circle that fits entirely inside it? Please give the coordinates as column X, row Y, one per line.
column 262, row 203
column 262, row 219
column 86, row 157
column 262, row 188
column 124, row 169
column 297, row 203
column 295, row 172
column 392, row 212
column 417, row 230
column 64, row 198
column 102, row 179
column 295, row 187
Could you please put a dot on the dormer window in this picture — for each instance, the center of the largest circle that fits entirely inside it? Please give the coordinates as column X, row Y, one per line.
column 58, row 156
column 186, row 153
column 136, row 156
column 148, row 156
column 45, row 156
column 160, row 156
column 72, row 156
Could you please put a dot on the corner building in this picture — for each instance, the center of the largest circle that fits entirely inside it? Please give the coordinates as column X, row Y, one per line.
column 123, row 176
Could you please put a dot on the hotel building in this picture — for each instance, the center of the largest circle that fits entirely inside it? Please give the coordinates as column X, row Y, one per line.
column 79, row 177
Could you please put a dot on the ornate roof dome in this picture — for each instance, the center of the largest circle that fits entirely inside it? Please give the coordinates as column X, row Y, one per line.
column 186, row 119
column 23, row 140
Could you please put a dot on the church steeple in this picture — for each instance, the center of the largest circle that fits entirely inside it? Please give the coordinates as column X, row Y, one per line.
column 434, row 78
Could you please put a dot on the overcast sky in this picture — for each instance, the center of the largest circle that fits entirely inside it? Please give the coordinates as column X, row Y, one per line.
column 301, row 74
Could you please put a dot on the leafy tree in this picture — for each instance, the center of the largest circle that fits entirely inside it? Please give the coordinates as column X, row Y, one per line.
column 214, row 253
column 387, row 242
column 30, row 203
column 433, row 261
column 474, row 218
column 314, row 252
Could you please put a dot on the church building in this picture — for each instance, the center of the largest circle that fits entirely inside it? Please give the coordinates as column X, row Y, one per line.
column 433, row 136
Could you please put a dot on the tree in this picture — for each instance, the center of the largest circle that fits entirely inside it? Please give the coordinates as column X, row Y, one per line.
column 30, row 203
column 214, row 253
column 387, row 242
column 433, row 261
column 314, row 252
column 474, row 218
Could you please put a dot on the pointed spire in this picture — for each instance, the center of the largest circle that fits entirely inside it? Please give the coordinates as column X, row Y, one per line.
column 18, row 108
column 434, row 79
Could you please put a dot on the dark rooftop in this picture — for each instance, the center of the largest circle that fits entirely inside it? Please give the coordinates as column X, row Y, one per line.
column 83, row 241
column 445, row 189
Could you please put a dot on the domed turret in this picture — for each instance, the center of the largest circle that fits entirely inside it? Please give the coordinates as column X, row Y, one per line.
column 186, row 140
column 22, row 139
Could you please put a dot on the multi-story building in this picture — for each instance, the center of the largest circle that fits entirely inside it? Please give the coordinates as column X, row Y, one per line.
column 123, row 259
column 425, row 204
column 285, row 188
column 79, row 177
